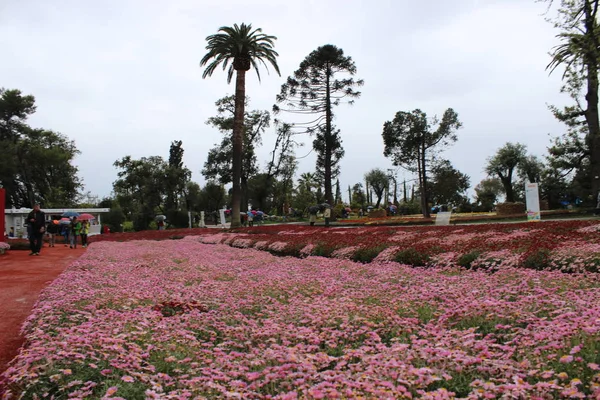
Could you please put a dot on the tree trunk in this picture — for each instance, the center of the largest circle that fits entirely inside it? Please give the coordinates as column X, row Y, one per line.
column 508, row 188
column 424, row 205
column 328, row 116
column 591, row 61
column 395, row 192
column 237, row 145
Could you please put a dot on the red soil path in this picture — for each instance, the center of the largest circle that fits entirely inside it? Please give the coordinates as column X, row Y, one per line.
column 22, row 278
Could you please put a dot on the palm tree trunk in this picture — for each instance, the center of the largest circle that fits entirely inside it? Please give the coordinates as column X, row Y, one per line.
column 237, row 146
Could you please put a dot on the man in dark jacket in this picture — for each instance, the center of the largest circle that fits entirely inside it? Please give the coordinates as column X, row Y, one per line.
column 36, row 221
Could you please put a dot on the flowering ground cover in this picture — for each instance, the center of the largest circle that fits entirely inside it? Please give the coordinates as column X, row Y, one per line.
column 569, row 246
column 181, row 319
column 154, row 234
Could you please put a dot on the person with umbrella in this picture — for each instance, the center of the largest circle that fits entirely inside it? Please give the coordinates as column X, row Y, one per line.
column 160, row 222
column 36, row 226
column 75, row 228
column 52, row 231
column 65, row 224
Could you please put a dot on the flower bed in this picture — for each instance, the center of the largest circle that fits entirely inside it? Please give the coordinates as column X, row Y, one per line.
column 149, row 235
column 4, row 247
column 569, row 246
column 180, row 319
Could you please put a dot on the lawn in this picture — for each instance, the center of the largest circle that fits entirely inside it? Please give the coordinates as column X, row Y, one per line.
column 183, row 319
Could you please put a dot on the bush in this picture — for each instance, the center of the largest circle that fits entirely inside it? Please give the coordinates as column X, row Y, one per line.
column 127, row 227
column 510, row 208
column 466, row 260
column 412, row 257
column 538, row 260
column 366, row 254
column 178, row 219
column 113, row 219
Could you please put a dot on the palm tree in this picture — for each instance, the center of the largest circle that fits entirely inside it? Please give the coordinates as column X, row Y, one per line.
column 240, row 48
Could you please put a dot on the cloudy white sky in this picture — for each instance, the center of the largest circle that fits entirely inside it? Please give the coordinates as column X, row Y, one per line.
column 122, row 77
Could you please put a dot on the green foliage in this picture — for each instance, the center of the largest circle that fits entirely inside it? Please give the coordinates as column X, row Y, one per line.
column 114, row 218
column 410, row 141
column 503, row 165
column 378, row 181
column 538, row 259
column 218, row 163
column 466, row 260
column 177, row 219
column 412, row 256
column 128, row 226
column 448, row 185
column 487, row 192
column 239, row 47
column 359, row 198
column 141, row 221
column 323, row 81
column 36, row 164
column 366, row 254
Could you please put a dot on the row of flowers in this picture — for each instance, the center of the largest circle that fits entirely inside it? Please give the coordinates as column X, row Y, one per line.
column 568, row 246
column 182, row 319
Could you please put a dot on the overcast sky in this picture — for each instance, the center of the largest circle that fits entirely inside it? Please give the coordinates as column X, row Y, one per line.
column 122, row 77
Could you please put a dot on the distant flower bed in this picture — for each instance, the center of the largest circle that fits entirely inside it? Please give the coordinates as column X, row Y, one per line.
column 148, row 235
column 183, row 320
column 569, row 246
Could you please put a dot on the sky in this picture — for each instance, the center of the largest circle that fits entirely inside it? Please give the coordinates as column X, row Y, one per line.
column 123, row 77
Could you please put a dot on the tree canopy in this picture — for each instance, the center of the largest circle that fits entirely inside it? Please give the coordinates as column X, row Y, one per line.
column 410, row 140
column 36, row 164
column 325, row 79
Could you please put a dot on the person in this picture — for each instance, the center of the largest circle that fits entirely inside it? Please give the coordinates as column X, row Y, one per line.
column 11, row 234
column 313, row 214
column 36, row 226
column 85, row 229
column 258, row 217
column 66, row 229
column 250, row 218
column 327, row 215
column 52, row 231
column 75, row 232
column 161, row 225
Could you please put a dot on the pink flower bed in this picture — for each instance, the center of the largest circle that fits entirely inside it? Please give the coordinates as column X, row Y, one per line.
column 182, row 320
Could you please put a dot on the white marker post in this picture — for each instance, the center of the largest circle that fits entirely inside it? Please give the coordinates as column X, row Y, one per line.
column 443, row 218
column 532, row 199
column 222, row 215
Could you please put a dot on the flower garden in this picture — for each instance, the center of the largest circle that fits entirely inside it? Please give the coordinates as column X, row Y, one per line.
column 478, row 311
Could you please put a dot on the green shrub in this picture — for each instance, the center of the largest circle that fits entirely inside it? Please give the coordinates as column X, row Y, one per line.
column 127, row 227
column 538, row 260
column 467, row 259
column 412, row 256
column 114, row 218
column 177, row 219
column 366, row 254
column 323, row 250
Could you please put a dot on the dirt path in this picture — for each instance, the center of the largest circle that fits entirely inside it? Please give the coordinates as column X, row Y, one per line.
column 22, row 278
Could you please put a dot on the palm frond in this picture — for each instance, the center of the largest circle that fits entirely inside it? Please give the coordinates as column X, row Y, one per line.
column 239, row 42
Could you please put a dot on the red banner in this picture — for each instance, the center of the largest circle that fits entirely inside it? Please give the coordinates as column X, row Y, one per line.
column 2, row 218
